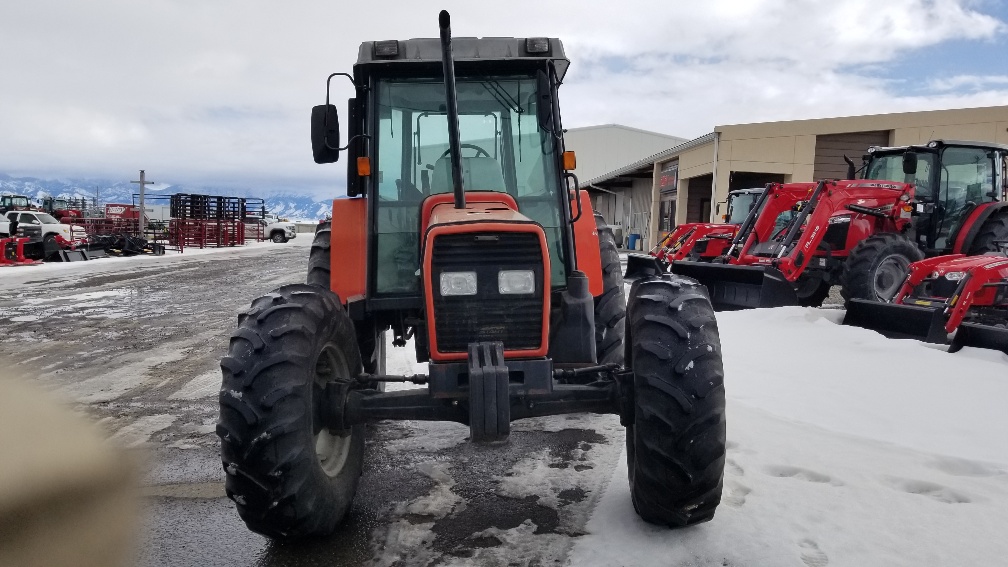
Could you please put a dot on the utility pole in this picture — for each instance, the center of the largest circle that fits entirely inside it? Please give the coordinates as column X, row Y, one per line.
column 143, row 183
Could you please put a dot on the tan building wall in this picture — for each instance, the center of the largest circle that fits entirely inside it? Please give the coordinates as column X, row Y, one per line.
column 788, row 148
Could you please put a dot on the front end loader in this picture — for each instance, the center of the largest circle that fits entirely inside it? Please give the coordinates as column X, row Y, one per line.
column 794, row 243
column 912, row 202
column 704, row 242
column 959, row 296
column 463, row 236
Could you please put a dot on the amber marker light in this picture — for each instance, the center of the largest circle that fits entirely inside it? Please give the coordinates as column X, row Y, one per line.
column 569, row 161
column 363, row 166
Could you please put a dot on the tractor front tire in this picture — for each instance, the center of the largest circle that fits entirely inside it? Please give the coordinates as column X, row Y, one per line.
column 877, row 266
column 676, row 439
column 610, row 307
column 812, row 292
column 993, row 236
column 289, row 476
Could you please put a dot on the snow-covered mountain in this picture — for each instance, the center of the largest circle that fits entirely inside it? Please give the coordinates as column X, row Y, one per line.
column 286, row 204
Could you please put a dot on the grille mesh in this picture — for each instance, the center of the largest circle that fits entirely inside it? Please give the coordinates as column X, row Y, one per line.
column 515, row 320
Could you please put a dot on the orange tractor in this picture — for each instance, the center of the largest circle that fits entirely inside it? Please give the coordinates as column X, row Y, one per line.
column 463, row 237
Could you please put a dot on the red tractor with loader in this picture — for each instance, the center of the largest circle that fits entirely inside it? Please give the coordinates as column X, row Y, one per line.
column 965, row 297
column 704, row 242
column 912, row 202
column 464, row 237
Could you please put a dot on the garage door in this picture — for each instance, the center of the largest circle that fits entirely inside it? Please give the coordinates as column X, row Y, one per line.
column 831, row 148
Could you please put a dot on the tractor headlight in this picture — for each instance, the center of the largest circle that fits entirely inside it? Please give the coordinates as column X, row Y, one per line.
column 458, row 283
column 955, row 276
column 511, row 282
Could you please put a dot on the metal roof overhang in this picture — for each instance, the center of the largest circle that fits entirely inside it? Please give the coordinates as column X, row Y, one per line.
column 642, row 169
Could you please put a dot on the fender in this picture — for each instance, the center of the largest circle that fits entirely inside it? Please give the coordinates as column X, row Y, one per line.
column 970, row 228
column 586, row 244
column 348, row 248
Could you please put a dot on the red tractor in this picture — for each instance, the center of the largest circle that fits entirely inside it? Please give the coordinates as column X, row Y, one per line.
column 964, row 295
column 64, row 210
column 863, row 234
column 493, row 269
column 15, row 203
column 706, row 241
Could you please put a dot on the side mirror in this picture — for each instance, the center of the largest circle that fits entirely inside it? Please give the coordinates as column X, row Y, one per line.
column 910, row 162
column 325, row 135
column 544, row 102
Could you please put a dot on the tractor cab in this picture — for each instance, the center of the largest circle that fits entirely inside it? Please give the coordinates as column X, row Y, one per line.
column 952, row 179
column 509, row 136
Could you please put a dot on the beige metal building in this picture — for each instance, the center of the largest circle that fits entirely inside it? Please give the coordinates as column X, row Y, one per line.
column 684, row 183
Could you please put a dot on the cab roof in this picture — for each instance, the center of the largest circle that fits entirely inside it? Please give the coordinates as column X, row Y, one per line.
column 464, row 49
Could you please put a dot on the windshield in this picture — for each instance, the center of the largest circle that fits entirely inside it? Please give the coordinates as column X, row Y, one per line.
column 739, row 205
column 889, row 167
column 503, row 150
column 16, row 201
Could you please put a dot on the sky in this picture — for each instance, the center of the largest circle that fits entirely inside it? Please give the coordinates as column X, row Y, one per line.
column 219, row 92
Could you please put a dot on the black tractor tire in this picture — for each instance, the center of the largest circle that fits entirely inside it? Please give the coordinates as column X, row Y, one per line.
column 676, row 439
column 278, row 237
column 610, row 307
column 812, row 292
column 993, row 235
column 288, row 476
column 870, row 272
column 319, row 259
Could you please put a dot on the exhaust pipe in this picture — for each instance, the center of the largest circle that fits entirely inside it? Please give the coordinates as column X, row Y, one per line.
column 454, row 147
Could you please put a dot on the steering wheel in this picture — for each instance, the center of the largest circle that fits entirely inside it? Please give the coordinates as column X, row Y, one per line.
column 479, row 151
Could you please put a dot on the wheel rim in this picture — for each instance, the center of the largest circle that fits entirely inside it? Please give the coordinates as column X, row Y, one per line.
column 889, row 276
column 331, row 449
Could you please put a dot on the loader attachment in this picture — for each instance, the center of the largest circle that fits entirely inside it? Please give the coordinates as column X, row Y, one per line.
column 740, row 287
column 898, row 321
column 980, row 336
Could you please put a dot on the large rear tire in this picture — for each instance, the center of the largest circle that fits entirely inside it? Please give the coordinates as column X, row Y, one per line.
column 318, row 258
column 993, row 236
column 289, row 476
column 877, row 266
column 676, row 440
column 610, row 307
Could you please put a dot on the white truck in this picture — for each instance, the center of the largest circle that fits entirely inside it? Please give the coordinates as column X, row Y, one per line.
column 48, row 227
column 277, row 231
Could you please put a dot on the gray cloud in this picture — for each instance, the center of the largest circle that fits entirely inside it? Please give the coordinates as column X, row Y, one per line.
column 219, row 91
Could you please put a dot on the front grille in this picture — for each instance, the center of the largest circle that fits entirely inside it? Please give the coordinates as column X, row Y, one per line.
column 515, row 320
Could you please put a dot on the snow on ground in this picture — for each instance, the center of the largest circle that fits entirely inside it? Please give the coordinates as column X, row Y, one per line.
column 844, row 448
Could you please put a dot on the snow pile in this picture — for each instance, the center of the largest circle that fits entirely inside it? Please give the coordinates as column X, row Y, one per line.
column 845, row 448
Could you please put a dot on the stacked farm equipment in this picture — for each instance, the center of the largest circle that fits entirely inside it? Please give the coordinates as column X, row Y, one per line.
column 862, row 234
column 202, row 221
column 514, row 298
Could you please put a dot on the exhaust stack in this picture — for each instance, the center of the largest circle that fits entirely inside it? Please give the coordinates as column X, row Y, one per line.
column 454, row 148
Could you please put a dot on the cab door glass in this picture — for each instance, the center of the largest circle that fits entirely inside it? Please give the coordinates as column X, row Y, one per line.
column 967, row 179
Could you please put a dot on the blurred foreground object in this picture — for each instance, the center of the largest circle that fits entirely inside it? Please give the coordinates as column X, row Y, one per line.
column 66, row 496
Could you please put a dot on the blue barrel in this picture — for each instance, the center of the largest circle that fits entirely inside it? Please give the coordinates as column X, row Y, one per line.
column 632, row 242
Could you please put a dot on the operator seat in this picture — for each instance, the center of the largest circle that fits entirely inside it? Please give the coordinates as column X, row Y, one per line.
column 478, row 174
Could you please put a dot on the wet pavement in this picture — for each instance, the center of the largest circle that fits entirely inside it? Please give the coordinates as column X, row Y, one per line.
column 137, row 345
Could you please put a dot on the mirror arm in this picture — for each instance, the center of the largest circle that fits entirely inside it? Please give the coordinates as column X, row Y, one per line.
column 325, row 118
